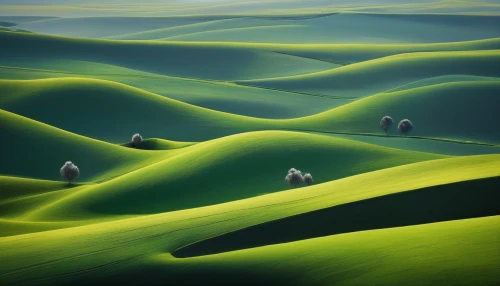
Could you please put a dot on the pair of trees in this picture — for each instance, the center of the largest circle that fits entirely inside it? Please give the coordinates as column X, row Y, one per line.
column 70, row 171
column 405, row 126
column 294, row 178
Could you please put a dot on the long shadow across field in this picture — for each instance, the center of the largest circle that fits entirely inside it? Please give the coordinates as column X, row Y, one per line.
column 469, row 199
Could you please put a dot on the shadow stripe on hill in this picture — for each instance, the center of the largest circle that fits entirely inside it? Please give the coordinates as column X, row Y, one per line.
column 468, row 199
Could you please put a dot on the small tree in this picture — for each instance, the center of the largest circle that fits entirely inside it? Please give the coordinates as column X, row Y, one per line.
column 308, row 179
column 294, row 177
column 70, row 171
column 405, row 126
column 136, row 140
column 386, row 123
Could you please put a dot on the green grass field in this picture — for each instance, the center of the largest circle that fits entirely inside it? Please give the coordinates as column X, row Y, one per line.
column 228, row 96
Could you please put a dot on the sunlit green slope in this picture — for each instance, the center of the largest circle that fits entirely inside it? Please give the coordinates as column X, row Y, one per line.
column 456, row 252
column 227, row 169
column 94, row 251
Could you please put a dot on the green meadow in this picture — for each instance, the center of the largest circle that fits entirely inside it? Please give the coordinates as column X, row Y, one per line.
column 227, row 97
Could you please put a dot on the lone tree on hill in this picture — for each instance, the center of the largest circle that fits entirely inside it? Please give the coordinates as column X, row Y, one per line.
column 405, row 126
column 386, row 123
column 70, row 171
column 308, row 179
column 294, row 177
column 136, row 140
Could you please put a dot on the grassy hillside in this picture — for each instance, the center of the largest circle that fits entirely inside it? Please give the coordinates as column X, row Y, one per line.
column 388, row 73
column 427, row 107
column 430, row 146
column 38, row 150
column 228, row 96
column 159, row 144
column 261, row 159
column 220, row 96
column 14, row 188
column 219, row 62
column 206, row 26
column 351, row 28
column 222, row 61
column 293, row 9
column 436, row 203
column 151, row 115
column 316, row 29
column 133, row 244
column 161, row 117
column 97, row 27
column 455, row 252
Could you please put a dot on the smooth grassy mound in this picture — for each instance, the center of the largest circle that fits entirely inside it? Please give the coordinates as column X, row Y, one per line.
column 37, row 150
column 217, row 62
column 220, row 96
column 466, row 199
column 464, row 111
column 23, row 196
column 227, row 169
column 159, row 144
column 197, row 28
column 161, row 117
column 448, row 253
column 274, row 10
column 444, row 147
column 388, row 73
column 83, row 106
column 221, row 61
column 353, row 28
column 98, row 27
column 319, row 28
column 444, row 79
column 86, row 253
column 13, row 187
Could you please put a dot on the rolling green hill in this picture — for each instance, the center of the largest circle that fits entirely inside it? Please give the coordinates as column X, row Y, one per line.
column 290, row 9
column 159, row 144
column 443, row 147
column 387, row 73
column 190, row 123
column 315, row 28
column 47, row 148
column 351, row 28
column 220, row 96
column 98, row 248
column 151, row 115
column 261, row 158
column 212, row 62
column 436, row 203
column 220, row 61
column 476, row 100
column 455, row 252
column 97, row 27
column 229, row 96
